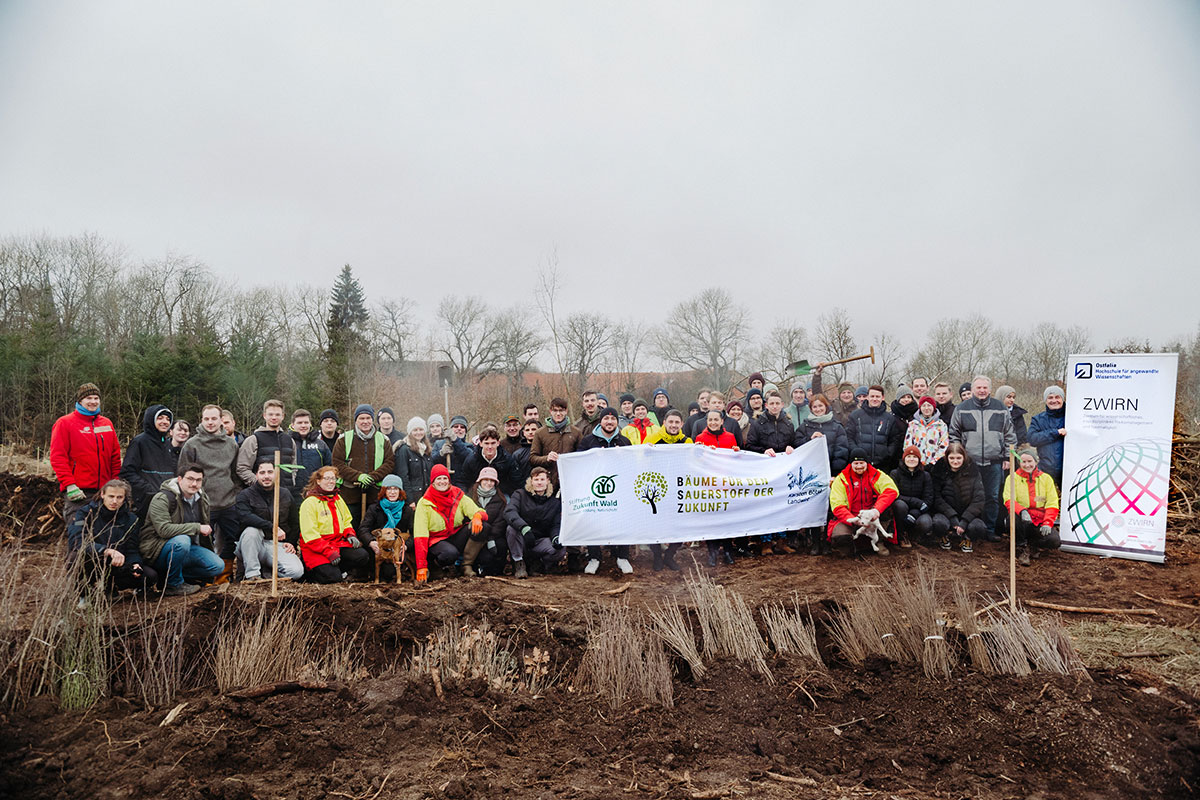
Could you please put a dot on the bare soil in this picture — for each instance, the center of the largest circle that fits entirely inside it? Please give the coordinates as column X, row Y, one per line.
column 881, row 730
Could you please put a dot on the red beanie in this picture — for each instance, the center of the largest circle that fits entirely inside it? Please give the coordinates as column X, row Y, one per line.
column 927, row 399
column 438, row 471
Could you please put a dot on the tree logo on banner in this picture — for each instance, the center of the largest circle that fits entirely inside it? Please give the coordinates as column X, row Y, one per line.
column 603, row 486
column 650, row 487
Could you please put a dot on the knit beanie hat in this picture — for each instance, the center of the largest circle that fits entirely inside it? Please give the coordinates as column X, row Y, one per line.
column 910, row 450
column 627, row 398
column 1004, row 391
column 1052, row 390
column 435, row 419
column 438, row 471
column 770, row 387
column 733, row 403
column 86, row 390
column 640, row 402
column 858, row 454
column 329, row 413
column 1027, row 450
column 902, row 390
column 364, row 408
column 488, row 472
column 390, row 481
column 607, row 412
column 927, row 399
column 459, row 419
column 413, row 424
column 860, row 391
column 756, row 376
column 966, row 387
column 844, row 385
column 754, row 391
column 659, row 391
column 602, row 396
column 693, row 406
column 386, row 410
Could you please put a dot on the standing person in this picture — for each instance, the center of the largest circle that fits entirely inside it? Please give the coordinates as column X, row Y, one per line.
column 256, row 515
column 104, row 534
column 215, row 453
column 944, row 400
column 264, row 442
column 1036, row 503
column 920, row 386
column 702, row 398
column 913, row 509
column 958, row 500
column 877, row 431
column 861, row 494
column 329, row 428
column 531, row 412
column 770, row 434
column 737, row 414
column 487, row 453
column 148, row 459
column 521, row 454
column 181, row 431
column 414, row 459
column 661, row 403
column 904, row 407
column 798, row 410
column 513, row 440
column 754, row 404
column 755, row 380
column 435, row 430
column 716, row 435
column 716, row 402
column 844, row 404
column 1008, row 396
column 670, row 433
column 532, row 518
column 928, row 433
column 821, row 424
column 558, row 437
column 329, row 547
column 452, row 449
column 641, row 427
column 984, row 427
column 443, row 522
column 387, row 425
column 625, row 408
column 230, row 426
column 964, row 392
column 362, row 456
column 605, row 435
column 1047, row 431
column 311, row 454
column 590, row 417
column 176, row 538
column 693, row 411
column 486, row 552
column 85, row 453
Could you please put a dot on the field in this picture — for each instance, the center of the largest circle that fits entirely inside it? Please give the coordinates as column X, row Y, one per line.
column 356, row 718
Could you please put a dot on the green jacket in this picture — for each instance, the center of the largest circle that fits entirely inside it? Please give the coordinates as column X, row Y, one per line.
column 164, row 520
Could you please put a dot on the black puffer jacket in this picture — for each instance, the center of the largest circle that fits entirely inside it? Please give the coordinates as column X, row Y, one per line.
column 149, row 460
column 770, row 433
column 915, row 487
column 835, row 441
column 877, row 431
column 541, row 513
column 958, row 495
column 413, row 470
column 503, row 463
column 904, row 413
column 256, row 509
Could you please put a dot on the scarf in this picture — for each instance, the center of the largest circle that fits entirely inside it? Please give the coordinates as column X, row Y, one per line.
column 85, row 412
column 330, row 501
column 484, row 496
column 366, row 437
column 558, row 427
column 642, row 426
column 420, row 448
column 821, row 419
column 392, row 510
column 444, row 503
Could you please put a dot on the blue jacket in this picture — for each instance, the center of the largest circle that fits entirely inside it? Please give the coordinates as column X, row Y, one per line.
column 311, row 454
column 1043, row 434
column 103, row 530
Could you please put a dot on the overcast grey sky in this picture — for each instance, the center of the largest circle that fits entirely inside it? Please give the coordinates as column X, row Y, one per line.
column 1029, row 161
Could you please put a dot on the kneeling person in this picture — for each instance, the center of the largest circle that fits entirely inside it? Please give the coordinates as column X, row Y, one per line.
column 861, row 495
column 330, row 548
column 533, row 516
column 176, row 538
column 443, row 523
column 104, row 534
column 1036, row 504
column 255, row 510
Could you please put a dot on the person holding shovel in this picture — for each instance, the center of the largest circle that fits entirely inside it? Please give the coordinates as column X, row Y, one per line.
column 362, row 456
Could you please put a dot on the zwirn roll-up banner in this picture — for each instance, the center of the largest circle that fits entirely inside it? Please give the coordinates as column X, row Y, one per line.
column 647, row 494
column 1117, row 454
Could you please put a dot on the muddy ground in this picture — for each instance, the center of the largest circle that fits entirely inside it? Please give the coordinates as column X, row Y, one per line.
column 879, row 730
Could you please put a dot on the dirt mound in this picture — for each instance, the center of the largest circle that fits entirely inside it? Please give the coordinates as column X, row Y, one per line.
column 30, row 508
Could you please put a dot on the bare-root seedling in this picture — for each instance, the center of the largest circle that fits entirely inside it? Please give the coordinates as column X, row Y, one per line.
column 727, row 624
column 274, row 646
column 676, row 632
column 624, row 661
column 791, row 630
column 967, row 623
column 467, row 652
column 150, row 654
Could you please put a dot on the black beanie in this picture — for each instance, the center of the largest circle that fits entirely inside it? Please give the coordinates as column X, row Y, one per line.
column 858, row 454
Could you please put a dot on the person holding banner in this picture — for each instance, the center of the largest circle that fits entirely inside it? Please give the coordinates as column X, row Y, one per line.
column 670, row 433
column 605, row 435
column 772, row 433
column 533, row 516
column 717, row 436
column 1036, row 504
column 861, row 495
column 1047, row 432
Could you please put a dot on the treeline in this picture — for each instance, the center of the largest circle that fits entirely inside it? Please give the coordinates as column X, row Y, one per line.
column 78, row 308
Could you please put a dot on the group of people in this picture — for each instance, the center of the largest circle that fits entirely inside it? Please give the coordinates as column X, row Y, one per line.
column 177, row 511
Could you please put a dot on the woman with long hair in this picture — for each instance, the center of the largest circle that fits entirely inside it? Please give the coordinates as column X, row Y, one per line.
column 958, row 498
column 328, row 545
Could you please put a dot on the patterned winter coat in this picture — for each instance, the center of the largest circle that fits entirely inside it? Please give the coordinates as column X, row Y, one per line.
column 930, row 436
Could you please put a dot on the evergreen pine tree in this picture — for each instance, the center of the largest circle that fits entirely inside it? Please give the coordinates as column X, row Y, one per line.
column 347, row 324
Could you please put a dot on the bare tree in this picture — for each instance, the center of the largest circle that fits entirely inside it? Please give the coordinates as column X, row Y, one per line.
column 312, row 305
column 468, row 336
column 549, row 284
column 835, row 340
column 517, row 344
column 394, row 328
column 704, row 332
column 1049, row 345
column 786, row 342
column 586, row 340
column 629, row 340
column 889, row 353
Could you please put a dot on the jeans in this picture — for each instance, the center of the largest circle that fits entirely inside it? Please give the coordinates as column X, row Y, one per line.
column 256, row 551
column 993, row 478
column 182, row 560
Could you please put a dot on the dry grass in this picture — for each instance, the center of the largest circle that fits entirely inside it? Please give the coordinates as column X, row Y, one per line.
column 860, row 627
column 84, row 669
column 964, row 608
column 468, row 652
column 1171, row 653
column 274, row 646
column 676, row 632
column 624, row 661
column 1019, row 643
column 150, row 653
column 791, row 630
column 727, row 624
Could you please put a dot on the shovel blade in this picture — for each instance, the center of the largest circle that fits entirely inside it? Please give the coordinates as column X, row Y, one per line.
column 800, row 368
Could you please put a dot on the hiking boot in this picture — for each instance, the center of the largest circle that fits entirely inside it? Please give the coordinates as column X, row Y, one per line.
column 783, row 548
column 658, row 560
column 669, row 561
column 945, row 543
column 184, row 589
column 965, row 545
column 226, row 574
column 728, row 556
column 992, row 536
column 766, row 549
column 905, row 542
column 814, row 548
column 624, row 565
column 883, row 551
column 1023, row 555
column 592, row 565
column 519, row 570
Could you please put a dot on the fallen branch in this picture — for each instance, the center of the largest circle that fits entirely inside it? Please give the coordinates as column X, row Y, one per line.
column 618, row 590
column 1146, row 612
column 502, row 580
column 1143, row 654
column 986, row 609
column 388, row 601
column 284, row 687
column 172, row 715
column 789, row 779
column 1165, row 602
column 529, row 605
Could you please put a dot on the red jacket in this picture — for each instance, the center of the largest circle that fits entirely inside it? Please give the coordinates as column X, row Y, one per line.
column 724, row 441
column 84, row 451
column 851, row 493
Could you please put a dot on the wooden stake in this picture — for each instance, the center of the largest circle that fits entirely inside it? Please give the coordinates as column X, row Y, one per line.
column 275, row 534
column 1012, row 529
column 1145, row 612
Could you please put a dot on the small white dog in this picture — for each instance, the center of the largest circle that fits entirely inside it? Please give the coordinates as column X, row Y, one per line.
column 868, row 526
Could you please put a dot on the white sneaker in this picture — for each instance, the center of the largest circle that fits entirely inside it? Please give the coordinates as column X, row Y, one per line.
column 592, row 566
column 624, row 565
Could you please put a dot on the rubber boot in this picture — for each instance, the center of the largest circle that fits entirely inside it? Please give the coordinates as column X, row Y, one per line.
column 815, row 548
column 658, row 558
column 471, row 551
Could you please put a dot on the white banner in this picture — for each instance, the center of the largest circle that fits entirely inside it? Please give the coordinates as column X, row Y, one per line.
column 648, row 494
column 1117, row 454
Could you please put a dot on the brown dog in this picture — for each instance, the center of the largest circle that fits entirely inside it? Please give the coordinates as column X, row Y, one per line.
column 393, row 547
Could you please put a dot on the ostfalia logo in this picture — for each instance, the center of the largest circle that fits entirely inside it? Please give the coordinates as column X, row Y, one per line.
column 1083, row 370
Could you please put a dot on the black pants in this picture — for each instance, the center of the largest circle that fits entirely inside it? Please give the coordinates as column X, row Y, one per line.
column 446, row 552
column 493, row 558
column 137, row 576
column 921, row 525
column 1029, row 533
column 355, row 561
column 618, row 550
column 975, row 530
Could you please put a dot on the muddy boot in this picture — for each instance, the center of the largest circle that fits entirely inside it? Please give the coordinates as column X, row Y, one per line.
column 658, row 558
column 669, row 561
column 471, row 551
column 1023, row 555
column 782, row 548
column 519, row 570
column 815, row 538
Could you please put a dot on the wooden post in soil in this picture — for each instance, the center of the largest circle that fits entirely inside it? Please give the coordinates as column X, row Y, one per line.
column 275, row 533
column 1012, row 529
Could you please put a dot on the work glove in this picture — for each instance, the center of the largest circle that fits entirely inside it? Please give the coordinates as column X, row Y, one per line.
column 911, row 519
column 1026, row 518
column 555, row 541
column 74, row 493
column 477, row 521
column 924, row 507
column 1045, row 531
column 335, row 561
column 525, row 530
column 365, row 480
column 354, row 541
column 422, row 575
